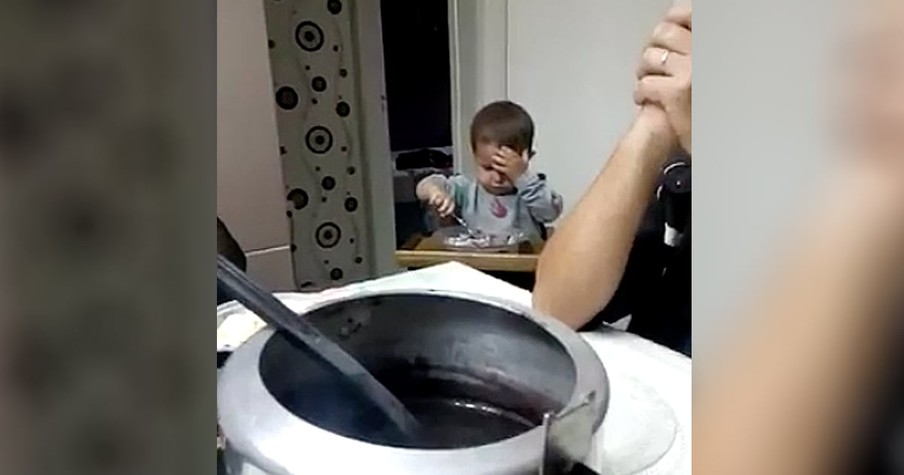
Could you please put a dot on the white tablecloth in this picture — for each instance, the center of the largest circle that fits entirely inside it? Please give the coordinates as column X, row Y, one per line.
column 647, row 429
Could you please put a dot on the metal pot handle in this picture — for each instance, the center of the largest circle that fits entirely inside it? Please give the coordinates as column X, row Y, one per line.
column 569, row 435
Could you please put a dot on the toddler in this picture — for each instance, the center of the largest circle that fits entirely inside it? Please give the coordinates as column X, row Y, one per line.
column 505, row 197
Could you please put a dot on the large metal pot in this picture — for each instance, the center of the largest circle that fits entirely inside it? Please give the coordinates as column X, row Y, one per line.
column 498, row 390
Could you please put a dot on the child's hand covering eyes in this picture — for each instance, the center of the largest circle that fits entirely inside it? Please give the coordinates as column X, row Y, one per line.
column 510, row 163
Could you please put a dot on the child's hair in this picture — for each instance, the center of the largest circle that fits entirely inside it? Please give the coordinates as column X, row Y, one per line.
column 504, row 123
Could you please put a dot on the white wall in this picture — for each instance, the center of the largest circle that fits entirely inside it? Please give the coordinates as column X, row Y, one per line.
column 478, row 56
column 571, row 63
column 249, row 175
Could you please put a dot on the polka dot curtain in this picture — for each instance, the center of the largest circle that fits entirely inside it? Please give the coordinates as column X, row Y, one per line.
column 320, row 145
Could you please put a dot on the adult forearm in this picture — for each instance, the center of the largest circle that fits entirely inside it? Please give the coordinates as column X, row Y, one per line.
column 583, row 262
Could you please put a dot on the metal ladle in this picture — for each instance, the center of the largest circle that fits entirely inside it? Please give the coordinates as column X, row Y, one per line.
column 237, row 285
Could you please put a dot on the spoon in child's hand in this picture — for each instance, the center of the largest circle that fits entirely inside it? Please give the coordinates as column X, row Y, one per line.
column 463, row 224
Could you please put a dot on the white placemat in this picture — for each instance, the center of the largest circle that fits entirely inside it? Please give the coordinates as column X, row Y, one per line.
column 647, row 429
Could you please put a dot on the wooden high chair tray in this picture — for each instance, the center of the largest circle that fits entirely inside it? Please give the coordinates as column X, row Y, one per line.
column 423, row 251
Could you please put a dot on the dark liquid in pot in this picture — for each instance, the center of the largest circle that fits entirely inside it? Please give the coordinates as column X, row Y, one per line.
column 456, row 423
column 456, row 408
column 450, row 415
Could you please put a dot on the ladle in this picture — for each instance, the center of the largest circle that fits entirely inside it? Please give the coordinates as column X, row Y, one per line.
column 239, row 286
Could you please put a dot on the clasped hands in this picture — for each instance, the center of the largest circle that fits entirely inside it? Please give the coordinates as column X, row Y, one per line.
column 663, row 86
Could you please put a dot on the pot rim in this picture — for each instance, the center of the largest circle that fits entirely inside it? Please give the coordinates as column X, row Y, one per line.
column 258, row 427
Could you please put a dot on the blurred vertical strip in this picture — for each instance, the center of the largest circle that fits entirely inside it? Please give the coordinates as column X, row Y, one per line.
column 803, row 376
column 107, row 171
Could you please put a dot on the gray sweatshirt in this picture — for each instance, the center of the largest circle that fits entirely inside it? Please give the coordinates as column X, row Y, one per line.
column 531, row 205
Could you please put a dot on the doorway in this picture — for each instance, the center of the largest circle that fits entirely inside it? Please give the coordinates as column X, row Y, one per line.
column 418, row 103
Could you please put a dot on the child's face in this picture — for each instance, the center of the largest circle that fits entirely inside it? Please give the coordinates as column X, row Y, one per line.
column 489, row 177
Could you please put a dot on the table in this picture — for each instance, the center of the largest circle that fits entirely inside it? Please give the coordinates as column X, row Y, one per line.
column 422, row 251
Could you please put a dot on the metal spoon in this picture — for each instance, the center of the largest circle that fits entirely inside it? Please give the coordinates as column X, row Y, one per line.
column 461, row 222
column 237, row 285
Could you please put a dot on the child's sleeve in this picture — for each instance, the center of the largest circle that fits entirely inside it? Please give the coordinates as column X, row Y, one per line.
column 544, row 204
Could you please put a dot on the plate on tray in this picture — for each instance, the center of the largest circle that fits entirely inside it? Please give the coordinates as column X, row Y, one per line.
column 458, row 238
